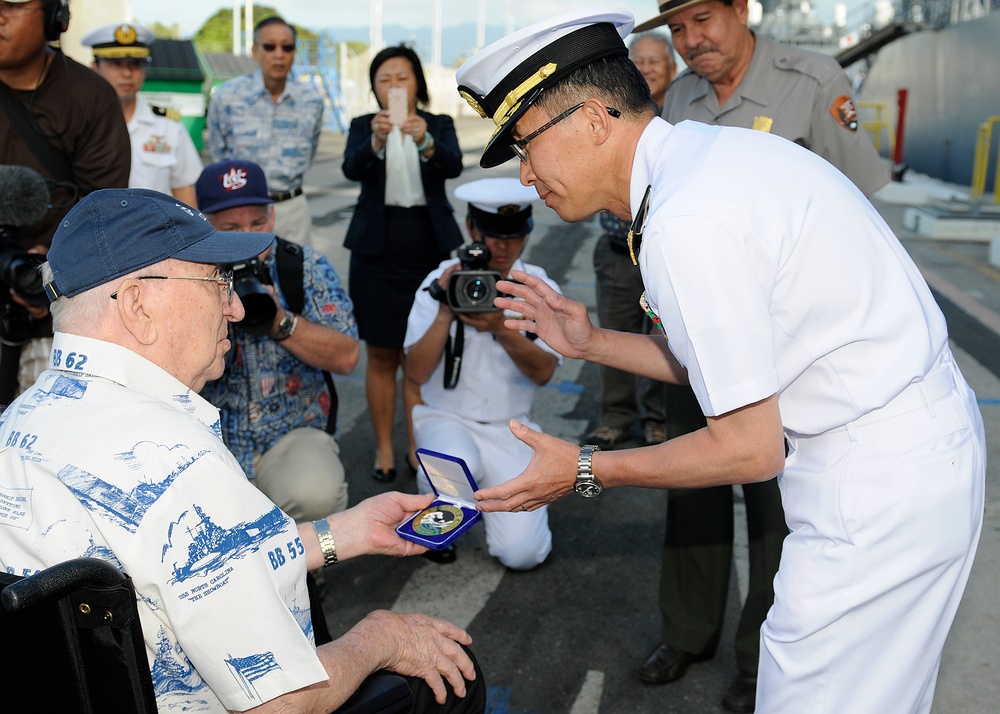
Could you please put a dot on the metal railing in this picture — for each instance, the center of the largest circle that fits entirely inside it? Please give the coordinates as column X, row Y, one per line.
column 880, row 122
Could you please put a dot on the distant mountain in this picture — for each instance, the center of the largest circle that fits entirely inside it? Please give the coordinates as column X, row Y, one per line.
column 457, row 41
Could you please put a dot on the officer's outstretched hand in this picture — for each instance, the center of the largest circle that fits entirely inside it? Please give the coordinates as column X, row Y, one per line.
column 550, row 474
column 561, row 322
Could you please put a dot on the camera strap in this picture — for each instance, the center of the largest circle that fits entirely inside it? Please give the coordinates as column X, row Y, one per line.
column 290, row 262
column 54, row 161
column 453, row 356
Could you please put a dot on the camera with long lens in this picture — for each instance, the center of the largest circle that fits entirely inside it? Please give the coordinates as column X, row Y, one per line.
column 249, row 279
column 474, row 287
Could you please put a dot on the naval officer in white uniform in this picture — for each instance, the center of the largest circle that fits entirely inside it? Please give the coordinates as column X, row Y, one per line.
column 797, row 317
column 164, row 157
column 468, row 401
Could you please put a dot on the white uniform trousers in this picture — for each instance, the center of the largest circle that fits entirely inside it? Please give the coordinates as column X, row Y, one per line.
column 494, row 456
column 884, row 517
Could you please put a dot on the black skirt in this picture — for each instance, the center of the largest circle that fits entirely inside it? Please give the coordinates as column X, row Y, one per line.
column 382, row 287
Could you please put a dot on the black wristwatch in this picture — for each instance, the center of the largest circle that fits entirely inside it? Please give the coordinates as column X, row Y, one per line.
column 586, row 484
column 286, row 327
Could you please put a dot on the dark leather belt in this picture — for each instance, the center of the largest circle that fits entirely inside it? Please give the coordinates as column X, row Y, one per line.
column 280, row 196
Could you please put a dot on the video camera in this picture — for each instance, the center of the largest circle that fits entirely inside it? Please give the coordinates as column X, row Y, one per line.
column 473, row 288
column 249, row 279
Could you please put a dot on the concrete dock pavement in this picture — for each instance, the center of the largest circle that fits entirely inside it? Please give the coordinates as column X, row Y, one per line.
column 569, row 636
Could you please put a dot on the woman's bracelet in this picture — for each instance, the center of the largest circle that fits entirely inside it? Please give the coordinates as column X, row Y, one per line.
column 428, row 142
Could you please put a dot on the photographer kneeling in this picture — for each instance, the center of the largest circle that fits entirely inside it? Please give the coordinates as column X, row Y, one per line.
column 474, row 381
column 277, row 402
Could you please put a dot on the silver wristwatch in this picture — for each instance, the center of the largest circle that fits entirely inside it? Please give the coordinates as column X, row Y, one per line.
column 586, row 485
column 286, row 326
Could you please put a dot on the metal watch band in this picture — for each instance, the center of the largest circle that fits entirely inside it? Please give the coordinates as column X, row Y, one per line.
column 287, row 326
column 586, row 484
column 326, row 543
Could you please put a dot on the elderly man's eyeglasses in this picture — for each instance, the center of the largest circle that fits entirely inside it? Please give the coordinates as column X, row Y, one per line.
column 520, row 147
column 9, row 10
column 271, row 47
column 224, row 280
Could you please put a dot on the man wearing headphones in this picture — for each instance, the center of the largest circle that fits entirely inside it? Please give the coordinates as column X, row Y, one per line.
column 63, row 121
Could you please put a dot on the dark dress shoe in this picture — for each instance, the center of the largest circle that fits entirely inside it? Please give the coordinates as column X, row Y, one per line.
column 444, row 556
column 666, row 664
column 742, row 693
column 384, row 475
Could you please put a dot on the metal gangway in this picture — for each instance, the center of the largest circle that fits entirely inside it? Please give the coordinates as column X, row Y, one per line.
column 316, row 63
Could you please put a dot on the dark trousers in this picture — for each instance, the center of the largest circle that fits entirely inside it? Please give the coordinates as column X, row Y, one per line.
column 619, row 286
column 698, row 553
column 474, row 701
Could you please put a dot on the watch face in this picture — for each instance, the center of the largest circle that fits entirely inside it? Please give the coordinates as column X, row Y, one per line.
column 588, row 489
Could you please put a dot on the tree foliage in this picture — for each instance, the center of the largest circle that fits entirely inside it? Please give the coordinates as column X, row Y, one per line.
column 216, row 35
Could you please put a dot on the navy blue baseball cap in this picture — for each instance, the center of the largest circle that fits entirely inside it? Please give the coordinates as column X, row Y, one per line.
column 227, row 184
column 116, row 231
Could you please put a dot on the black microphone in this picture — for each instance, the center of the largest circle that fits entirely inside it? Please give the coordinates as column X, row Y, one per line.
column 24, row 196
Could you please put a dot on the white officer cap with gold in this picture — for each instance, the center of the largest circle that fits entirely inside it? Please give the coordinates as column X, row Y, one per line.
column 121, row 40
column 500, row 207
column 503, row 80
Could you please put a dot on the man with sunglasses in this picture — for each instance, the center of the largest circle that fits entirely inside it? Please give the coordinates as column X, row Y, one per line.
column 265, row 118
column 113, row 454
column 164, row 157
column 797, row 318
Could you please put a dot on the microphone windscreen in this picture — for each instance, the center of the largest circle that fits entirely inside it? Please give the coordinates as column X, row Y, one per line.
column 24, row 196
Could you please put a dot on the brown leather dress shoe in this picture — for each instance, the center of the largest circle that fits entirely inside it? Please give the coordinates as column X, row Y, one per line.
column 742, row 693
column 666, row 664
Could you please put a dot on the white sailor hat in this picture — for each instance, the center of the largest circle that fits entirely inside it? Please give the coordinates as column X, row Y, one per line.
column 503, row 80
column 500, row 207
column 121, row 40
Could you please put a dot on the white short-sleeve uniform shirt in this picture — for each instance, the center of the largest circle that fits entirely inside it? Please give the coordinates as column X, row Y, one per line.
column 798, row 288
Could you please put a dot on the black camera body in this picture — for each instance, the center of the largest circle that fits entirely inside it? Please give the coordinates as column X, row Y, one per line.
column 20, row 270
column 474, row 287
column 249, row 279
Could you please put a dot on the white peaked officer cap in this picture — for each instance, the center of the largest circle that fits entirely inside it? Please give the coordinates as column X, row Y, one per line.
column 500, row 207
column 121, row 40
column 503, row 80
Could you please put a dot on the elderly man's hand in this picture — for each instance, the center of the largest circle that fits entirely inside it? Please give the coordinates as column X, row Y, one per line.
column 550, row 474
column 369, row 528
column 425, row 647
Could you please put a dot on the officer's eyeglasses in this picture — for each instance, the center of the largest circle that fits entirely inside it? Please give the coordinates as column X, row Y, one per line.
column 272, row 46
column 520, row 147
column 224, row 280
column 10, row 10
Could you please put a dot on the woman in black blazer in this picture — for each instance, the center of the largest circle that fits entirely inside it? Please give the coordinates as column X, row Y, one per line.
column 393, row 248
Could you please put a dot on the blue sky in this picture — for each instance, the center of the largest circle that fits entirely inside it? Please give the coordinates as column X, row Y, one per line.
column 330, row 14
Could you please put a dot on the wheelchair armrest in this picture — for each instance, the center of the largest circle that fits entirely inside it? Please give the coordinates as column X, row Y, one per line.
column 59, row 580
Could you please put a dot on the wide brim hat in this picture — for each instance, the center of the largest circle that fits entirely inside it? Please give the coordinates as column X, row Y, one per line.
column 503, row 80
column 667, row 10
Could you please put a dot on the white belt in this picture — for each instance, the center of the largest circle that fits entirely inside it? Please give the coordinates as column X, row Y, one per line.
column 935, row 386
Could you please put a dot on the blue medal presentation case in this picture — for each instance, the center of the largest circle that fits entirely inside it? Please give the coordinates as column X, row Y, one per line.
column 454, row 486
